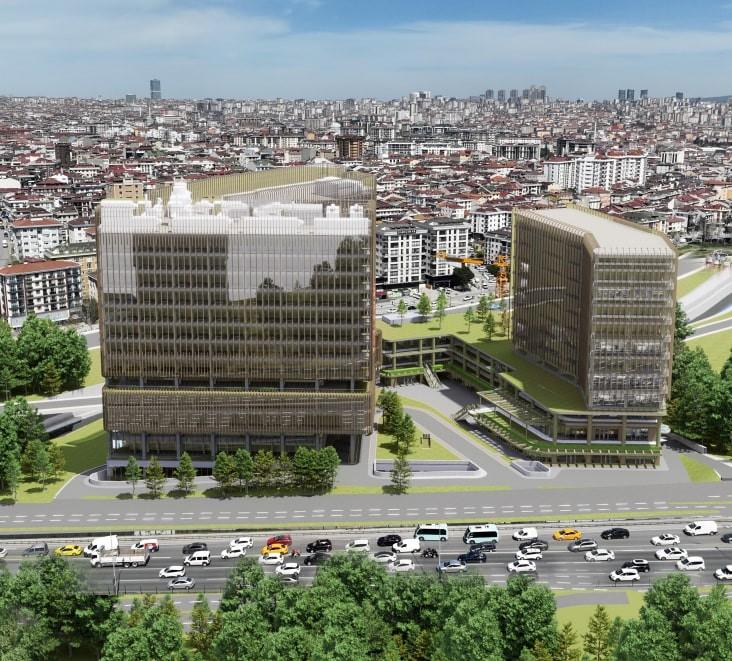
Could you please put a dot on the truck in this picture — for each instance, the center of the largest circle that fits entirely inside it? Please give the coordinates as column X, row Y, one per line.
column 108, row 544
column 128, row 560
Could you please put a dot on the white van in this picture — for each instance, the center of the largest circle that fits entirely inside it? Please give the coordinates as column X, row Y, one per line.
column 406, row 546
column 101, row 545
column 701, row 528
column 198, row 559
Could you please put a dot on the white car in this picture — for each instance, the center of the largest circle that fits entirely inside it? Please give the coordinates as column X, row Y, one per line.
column 530, row 553
column 402, row 564
column 525, row 533
column 625, row 575
column 384, row 557
column 288, row 569
column 358, row 545
column 598, row 555
column 521, row 566
column 3, row 551
column 666, row 539
column 692, row 563
column 271, row 559
column 172, row 572
column 671, row 553
column 244, row 542
column 233, row 552
column 406, row 546
column 724, row 573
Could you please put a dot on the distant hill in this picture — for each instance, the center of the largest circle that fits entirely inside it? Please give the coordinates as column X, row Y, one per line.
column 718, row 99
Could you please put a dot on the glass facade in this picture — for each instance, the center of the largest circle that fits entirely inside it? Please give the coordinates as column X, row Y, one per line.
column 239, row 313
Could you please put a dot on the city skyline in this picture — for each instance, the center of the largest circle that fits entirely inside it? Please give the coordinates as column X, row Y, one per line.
column 222, row 48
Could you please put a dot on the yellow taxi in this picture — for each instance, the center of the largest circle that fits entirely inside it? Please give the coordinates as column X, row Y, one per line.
column 567, row 534
column 282, row 549
column 69, row 550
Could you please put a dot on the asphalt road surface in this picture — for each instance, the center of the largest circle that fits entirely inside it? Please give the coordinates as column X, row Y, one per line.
column 559, row 569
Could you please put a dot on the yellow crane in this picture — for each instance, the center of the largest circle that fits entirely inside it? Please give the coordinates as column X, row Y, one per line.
column 502, row 263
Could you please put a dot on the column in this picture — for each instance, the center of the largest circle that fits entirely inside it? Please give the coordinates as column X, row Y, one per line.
column 623, row 428
column 590, row 431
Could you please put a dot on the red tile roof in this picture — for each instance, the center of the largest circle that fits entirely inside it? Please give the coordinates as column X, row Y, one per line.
column 37, row 267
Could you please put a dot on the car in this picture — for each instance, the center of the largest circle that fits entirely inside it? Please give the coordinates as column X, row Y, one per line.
column 198, row 559
column 625, row 575
column 149, row 545
column 665, row 539
column 525, row 533
column 3, row 552
column 615, row 533
column 487, row 547
column 291, row 580
column 388, row 540
column 530, row 553
column 726, row 538
column 38, row 549
column 288, row 569
column 671, row 553
column 701, row 528
column 409, row 545
column 69, row 550
column 639, row 564
column 316, row 559
column 319, row 545
column 541, row 544
column 402, row 564
column 233, row 552
column 244, row 542
column 282, row 549
column 384, row 557
column 724, row 573
column 521, row 566
column 451, row 567
column 583, row 545
column 181, row 583
column 194, row 546
column 472, row 556
column 361, row 545
column 599, row 555
column 174, row 571
column 691, row 563
column 280, row 539
column 567, row 535
column 271, row 559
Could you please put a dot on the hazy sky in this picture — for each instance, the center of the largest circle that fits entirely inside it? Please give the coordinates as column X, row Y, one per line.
column 354, row 48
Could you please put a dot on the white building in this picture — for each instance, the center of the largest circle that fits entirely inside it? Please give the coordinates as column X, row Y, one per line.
column 400, row 253
column 597, row 170
column 489, row 219
column 33, row 237
column 446, row 238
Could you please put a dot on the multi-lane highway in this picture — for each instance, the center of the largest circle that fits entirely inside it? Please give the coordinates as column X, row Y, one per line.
column 559, row 569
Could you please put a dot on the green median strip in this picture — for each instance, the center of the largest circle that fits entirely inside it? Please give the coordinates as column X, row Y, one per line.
column 699, row 471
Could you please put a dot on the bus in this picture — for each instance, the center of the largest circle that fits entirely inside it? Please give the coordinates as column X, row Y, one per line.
column 477, row 534
column 432, row 532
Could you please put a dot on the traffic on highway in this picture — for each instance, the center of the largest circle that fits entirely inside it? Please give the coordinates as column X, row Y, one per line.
column 577, row 557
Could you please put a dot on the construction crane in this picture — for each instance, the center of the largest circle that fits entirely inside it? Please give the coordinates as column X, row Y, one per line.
column 502, row 263
column 475, row 261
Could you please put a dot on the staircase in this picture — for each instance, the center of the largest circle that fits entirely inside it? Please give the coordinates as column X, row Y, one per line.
column 431, row 377
column 465, row 412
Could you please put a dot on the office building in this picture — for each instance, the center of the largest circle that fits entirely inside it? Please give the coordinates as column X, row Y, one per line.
column 130, row 98
column 501, row 95
column 679, row 96
column 621, row 95
column 630, row 94
column 643, row 95
column 489, row 95
column 513, row 95
column 237, row 312
column 155, row 90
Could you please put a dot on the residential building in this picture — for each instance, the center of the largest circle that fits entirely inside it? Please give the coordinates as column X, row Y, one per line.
column 237, row 312
column 33, row 237
column 84, row 254
column 350, row 147
column 47, row 289
column 127, row 189
column 497, row 242
column 597, row 170
column 488, row 219
column 448, row 241
column 401, row 248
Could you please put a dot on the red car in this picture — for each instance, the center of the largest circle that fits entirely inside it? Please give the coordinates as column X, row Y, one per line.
column 280, row 539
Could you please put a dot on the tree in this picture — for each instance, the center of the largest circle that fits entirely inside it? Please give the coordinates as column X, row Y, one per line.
column 154, row 477
column 597, row 638
column 21, row 422
column 133, row 472
column 441, row 306
column 682, row 328
column 649, row 638
column 244, row 466
column 471, row 633
column 674, row 597
column 13, row 370
column 34, row 461
column 51, row 383
column 405, row 434
column 328, row 463
column 185, row 473
column 71, row 356
column 204, row 626
column 469, row 317
column 567, row 640
column 263, row 466
column 424, row 307
column 392, row 411
column 483, row 307
column 401, row 310
column 11, row 474
column 461, row 277
column 489, row 326
column 224, row 472
column 56, row 460
column 304, row 468
column 401, row 474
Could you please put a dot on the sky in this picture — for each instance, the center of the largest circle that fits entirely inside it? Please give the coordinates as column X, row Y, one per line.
column 354, row 48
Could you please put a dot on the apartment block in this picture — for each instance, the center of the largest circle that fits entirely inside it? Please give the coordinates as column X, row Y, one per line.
column 84, row 254
column 597, row 170
column 447, row 241
column 401, row 248
column 33, row 237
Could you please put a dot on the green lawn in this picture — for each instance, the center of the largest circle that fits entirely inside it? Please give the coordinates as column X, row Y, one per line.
column 452, row 324
column 95, row 371
column 690, row 282
column 579, row 616
column 711, row 320
column 698, row 471
column 83, row 448
column 717, row 347
column 386, row 449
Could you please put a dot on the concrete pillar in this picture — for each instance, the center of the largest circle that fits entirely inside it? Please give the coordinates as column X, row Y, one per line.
column 623, row 428
column 212, row 446
column 590, row 431
column 248, row 442
column 353, row 448
column 177, row 446
column 144, row 446
column 555, row 427
column 282, row 443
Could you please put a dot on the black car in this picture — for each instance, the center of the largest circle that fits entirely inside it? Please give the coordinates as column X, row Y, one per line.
column 639, row 564
column 472, row 556
column 727, row 537
column 319, row 545
column 388, row 540
column 488, row 547
column 615, row 533
column 194, row 546
column 540, row 544
column 316, row 559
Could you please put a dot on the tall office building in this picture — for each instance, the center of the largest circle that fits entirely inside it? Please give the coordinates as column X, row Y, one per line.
column 501, row 95
column 643, row 95
column 236, row 312
column 594, row 302
column 679, row 96
column 513, row 95
column 155, row 91
column 621, row 95
column 630, row 94
column 489, row 95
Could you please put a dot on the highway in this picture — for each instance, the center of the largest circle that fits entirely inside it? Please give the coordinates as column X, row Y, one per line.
column 559, row 569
